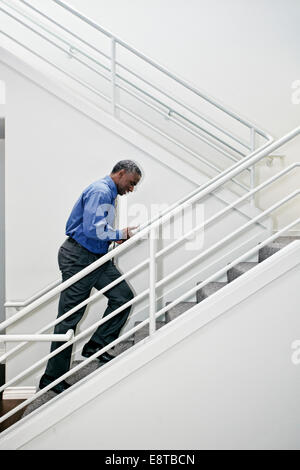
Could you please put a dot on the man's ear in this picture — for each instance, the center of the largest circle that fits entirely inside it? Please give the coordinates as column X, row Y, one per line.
column 122, row 172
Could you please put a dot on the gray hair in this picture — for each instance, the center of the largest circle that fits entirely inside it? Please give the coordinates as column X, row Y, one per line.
column 127, row 165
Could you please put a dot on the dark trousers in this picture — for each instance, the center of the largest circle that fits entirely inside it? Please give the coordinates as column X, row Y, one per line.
column 72, row 258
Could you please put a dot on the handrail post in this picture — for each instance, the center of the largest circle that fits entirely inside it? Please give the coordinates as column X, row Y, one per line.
column 113, row 76
column 252, row 169
column 152, row 281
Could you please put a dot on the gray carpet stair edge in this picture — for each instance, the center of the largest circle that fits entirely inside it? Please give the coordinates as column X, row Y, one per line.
column 239, row 269
column 144, row 331
column 178, row 310
column 272, row 248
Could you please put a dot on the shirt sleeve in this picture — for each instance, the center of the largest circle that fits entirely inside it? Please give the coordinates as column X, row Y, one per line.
column 98, row 218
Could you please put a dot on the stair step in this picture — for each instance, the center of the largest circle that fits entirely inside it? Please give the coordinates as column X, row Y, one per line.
column 144, row 332
column 270, row 249
column 176, row 311
column 208, row 290
column 86, row 370
column 123, row 346
column 239, row 269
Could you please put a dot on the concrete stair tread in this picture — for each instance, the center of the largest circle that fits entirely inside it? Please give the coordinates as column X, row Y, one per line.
column 209, row 289
column 180, row 308
column 272, row 248
column 144, row 331
column 123, row 346
column 286, row 239
column 283, row 241
column 239, row 269
column 76, row 377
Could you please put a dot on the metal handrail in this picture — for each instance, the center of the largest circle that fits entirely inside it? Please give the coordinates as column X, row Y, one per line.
column 149, row 290
column 145, row 322
column 149, row 230
column 61, row 70
column 188, row 108
column 48, row 18
column 267, row 150
column 173, row 111
column 223, row 271
column 113, row 64
column 126, row 68
column 97, row 50
column 236, row 169
column 130, row 242
column 157, row 130
column 170, row 110
column 19, row 304
column 182, row 146
column 36, row 337
column 113, row 75
column 165, row 250
column 160, row 68
column 146, row 224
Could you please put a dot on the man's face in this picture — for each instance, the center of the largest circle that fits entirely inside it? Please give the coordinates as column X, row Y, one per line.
column 127, row 182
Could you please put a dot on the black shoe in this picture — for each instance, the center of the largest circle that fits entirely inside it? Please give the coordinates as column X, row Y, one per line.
column 89, row 350
column 58, row 388
column 106, row 357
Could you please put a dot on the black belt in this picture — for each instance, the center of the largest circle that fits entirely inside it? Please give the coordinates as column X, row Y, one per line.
column 71, row 240
column 74, row 242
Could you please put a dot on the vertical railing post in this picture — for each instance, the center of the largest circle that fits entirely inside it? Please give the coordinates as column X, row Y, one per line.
column 152, row 281
column 252, row 169
column 113, row 76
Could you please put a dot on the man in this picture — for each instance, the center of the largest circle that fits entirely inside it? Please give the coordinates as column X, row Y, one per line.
column 90, row 231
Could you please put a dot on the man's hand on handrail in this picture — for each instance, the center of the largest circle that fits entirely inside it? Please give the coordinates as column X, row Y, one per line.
column 128, row 232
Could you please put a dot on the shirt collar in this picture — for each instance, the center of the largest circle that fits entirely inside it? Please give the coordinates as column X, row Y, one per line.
column 112, row 186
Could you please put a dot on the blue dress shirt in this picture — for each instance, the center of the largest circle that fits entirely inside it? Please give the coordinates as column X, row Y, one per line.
column 91, row 220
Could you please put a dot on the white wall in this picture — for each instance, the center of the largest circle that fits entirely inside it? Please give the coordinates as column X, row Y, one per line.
column 231, row 384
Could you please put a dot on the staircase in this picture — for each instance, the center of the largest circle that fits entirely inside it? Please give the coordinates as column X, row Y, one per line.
column 175, row 312
column 223, row 142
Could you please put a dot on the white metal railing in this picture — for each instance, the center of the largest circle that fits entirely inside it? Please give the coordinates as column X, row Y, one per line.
column 115, row 86
column 20, row 304
column 210, row 136
column 150, row 232
column 163, row 218
column 133, row 330
column 24, row 303
column 36, row 337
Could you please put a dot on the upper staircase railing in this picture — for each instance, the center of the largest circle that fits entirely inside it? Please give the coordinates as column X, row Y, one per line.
column 141, row 85
column 174, row 109
column 151, row 232
column 187, row 122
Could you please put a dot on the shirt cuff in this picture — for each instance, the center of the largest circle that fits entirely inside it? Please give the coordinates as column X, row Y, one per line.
column 120, row 234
